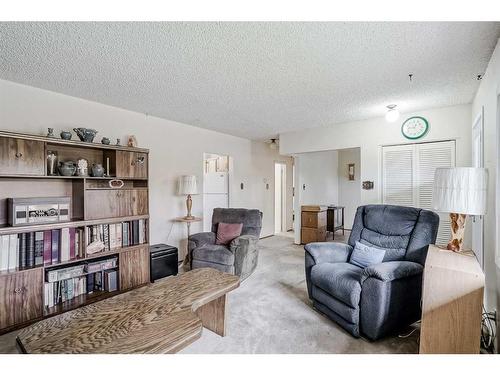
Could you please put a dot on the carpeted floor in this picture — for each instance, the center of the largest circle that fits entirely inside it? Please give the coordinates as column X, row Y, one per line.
column 270, row 313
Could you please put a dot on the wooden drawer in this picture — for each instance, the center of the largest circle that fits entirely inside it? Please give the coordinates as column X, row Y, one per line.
column 21, row 297
column 313, row 219
column 134, row 267
column 131, row 164
column 102, row 204
column 21, row 157
column 313, row 235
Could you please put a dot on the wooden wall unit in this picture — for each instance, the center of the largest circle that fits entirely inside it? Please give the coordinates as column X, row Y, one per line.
column 313, row 224
column 94, row 202
column 452, row 301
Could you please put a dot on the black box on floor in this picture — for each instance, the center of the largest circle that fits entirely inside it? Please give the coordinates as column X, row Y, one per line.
column 163, row 262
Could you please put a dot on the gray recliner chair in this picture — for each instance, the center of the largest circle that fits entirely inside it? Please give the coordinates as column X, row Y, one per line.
column 383, row 298
column 240, row 257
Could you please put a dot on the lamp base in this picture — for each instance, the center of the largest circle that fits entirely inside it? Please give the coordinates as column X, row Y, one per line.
column 457, row 232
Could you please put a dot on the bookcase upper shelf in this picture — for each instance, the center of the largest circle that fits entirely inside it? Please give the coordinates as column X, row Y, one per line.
column 57, row 141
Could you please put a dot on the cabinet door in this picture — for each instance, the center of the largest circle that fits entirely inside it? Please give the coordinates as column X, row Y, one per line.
column 21, row 157
column 133, row 202
column 134, row 268
column 131, row 164
column 21, row 297
column 100, row 204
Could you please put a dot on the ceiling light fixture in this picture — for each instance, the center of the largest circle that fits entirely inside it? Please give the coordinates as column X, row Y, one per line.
column 273, row 145
column 392, row 113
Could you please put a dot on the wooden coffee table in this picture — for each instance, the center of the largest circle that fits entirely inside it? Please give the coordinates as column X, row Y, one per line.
column 163, row 317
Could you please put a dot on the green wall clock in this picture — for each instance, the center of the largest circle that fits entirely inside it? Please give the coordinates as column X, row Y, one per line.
column 415, row 127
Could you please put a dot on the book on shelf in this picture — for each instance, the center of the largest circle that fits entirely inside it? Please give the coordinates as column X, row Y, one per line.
column 39, row 246
column 13, row 249
column 4, row 253
column 64, row 290
column 22, row 250
column 117, row 235
column 30, row 249
column 34, row 249
column 110, row 280
column 55, row 246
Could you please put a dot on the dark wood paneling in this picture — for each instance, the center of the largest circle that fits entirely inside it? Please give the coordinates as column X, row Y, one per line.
column 134, row 268
column 21, row 297
column 131, row 164
column 21, row 157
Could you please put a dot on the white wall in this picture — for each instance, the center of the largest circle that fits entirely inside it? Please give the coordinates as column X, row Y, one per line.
column 349, row 191
column 370, row 135
column 487, row 98
column 318, row 172
column 175, row 149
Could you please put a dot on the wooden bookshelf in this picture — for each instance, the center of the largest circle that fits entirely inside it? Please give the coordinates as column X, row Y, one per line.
column 23, row 173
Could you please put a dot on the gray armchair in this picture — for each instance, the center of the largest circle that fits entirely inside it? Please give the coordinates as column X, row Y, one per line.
column 240, row 257
column 382, row 298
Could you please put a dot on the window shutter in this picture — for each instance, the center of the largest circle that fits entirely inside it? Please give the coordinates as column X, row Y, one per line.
column 430, row 156
column 397, row 180
column 408, row 176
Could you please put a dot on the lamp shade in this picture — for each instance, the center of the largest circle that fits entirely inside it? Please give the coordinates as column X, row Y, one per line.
column 187, row 185
column 460, row 190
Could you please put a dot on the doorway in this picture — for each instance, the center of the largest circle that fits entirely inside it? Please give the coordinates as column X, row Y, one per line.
column 215, row 186
column 279, row 197
column 478, row 162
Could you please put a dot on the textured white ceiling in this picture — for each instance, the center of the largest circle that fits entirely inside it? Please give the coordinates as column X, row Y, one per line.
column 252, row 79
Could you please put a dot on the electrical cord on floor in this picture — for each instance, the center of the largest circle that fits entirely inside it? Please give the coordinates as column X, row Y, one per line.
column 488, row 332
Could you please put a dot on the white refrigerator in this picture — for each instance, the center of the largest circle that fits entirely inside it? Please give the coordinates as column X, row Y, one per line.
column 215, row 194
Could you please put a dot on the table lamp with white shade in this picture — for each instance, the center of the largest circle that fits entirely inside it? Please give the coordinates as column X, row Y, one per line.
column 459, row 191
column 187, row 186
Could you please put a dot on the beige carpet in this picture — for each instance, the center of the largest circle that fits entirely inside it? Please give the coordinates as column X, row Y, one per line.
column 270, row 313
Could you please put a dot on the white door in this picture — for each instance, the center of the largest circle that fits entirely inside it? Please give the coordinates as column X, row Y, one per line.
column 478, row 162
column 408, row 175
column 279, row 197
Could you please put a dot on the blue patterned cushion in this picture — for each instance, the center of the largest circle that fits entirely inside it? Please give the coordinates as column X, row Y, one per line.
column 365, row 256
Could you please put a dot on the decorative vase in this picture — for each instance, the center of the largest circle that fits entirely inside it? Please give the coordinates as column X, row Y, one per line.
column 82, row 167
column 67, row 168
column 97, row 170
column 52, row 163
column 66, row 135
column 105, row 141
column 85, row 134
column 118, row 141
column 50, row 132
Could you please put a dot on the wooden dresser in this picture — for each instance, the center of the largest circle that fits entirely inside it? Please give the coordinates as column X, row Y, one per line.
column 313, row 221
column 452, row 302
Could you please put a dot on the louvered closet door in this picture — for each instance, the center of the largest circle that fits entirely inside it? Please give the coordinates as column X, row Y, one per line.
column 398, row 176
column 430, row 156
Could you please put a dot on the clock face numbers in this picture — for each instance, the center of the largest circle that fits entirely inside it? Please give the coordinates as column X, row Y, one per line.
column 415, row 127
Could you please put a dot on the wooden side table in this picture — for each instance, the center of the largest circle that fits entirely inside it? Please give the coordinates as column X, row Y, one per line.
column 335, row 219
column 452, row 296
column 187, row 258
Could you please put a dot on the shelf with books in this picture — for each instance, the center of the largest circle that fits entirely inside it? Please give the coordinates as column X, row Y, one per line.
column 5, row 229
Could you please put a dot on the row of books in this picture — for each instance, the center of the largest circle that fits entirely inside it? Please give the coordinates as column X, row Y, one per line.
column 65, row 290
column 80, row 269
column 27, row 250
column 115, row 236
